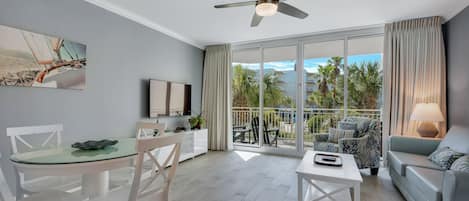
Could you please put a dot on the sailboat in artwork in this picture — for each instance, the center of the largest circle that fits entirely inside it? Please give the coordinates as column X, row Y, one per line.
column 62, row 62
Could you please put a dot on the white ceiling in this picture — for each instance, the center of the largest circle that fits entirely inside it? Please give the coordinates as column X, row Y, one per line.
column 198, row 23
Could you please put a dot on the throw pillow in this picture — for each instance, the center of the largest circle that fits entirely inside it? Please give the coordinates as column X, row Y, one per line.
column 349, row 126
column 461, row 164
column 444, row 157
column 336, row 134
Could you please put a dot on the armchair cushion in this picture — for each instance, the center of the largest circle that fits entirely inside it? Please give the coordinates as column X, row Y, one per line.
column 461, row 164
column 444, row 157
column 428, row 182
column 400, row 160
column 336, row 134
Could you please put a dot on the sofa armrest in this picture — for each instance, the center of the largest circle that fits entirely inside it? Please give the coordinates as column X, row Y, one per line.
column 412, row 145
column 455, row 186
column 321, row 137
column 352, row 145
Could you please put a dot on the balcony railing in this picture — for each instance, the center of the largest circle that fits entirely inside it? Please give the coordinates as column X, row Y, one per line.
column 316, row 120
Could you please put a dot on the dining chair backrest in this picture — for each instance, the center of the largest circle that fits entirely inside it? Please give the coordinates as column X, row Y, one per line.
column 29, row 137
column 143, row 127
column 144, row 148
column 17, row 136
column 5, row 194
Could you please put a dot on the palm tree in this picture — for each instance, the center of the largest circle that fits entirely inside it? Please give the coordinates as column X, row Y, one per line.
column 336, row 65
column 328, row 95
column 273, row 93
column 244, row 87
column 364, row 85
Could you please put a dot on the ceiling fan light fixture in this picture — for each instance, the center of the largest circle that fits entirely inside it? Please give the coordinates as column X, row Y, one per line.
column 266, row 9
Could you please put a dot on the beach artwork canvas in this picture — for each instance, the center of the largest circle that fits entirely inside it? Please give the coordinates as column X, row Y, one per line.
column 30, row 59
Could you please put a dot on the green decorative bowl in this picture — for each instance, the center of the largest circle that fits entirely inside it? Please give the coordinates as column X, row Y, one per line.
column 94, row 144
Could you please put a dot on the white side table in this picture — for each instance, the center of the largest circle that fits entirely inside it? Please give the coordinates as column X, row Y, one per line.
column 348, row 176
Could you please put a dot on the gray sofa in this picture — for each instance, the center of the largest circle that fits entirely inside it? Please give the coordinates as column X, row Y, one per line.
column 418, row 178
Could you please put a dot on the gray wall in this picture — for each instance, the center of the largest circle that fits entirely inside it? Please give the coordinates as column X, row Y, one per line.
column 457, row 51
column 122, row 56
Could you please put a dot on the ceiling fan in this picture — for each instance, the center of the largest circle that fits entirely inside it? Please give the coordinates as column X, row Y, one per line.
column 266, row 8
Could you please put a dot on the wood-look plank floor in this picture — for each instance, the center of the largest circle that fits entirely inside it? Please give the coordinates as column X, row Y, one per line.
column 245, row 176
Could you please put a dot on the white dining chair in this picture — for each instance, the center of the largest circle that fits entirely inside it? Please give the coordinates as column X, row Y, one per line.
column 123, row 176
column 28, row 138
column 144, row 127
column 146, row 189
column 48, row 195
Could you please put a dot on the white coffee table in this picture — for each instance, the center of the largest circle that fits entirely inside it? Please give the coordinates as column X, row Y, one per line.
column 348, row 176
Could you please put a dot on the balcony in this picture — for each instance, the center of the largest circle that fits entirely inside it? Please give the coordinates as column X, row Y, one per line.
column 317, row 121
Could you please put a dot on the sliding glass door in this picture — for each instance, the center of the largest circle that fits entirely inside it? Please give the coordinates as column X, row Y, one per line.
column 284, row 95
column 324, row 87
column 246, row 77
column 279, row 94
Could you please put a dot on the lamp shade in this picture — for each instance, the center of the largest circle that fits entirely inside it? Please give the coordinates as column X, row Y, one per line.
column 427, row 112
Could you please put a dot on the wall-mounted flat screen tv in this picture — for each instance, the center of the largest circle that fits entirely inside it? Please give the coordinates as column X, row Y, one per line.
column 169, row 98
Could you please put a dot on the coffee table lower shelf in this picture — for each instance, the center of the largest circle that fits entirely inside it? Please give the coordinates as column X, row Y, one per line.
column 320, row 190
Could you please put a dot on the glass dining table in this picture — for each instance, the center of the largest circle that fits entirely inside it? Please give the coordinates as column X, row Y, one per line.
column 93, row 165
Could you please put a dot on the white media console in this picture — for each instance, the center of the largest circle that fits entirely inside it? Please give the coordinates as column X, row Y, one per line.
column 195, row 143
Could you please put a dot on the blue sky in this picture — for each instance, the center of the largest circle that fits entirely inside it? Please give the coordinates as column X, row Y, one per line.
column 312, row 64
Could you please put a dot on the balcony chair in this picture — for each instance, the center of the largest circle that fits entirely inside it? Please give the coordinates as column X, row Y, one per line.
column 365, row 144
column 267, row 132
column 239, row 134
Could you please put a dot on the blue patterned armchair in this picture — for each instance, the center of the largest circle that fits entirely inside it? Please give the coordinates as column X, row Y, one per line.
column 365, row 145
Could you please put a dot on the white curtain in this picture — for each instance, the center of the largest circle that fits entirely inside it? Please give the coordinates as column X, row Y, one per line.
column 414, row 72
column 216, row 99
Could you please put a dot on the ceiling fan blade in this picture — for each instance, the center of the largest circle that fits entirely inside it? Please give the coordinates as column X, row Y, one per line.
column 256, row 19
column 290, row 10
column 230, row 5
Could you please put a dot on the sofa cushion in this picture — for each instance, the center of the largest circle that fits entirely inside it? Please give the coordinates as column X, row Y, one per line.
column 400, row 160
column 444, row 157
column 462, row 164
column 456, row 139
column 428, row 181
column 326, row 146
